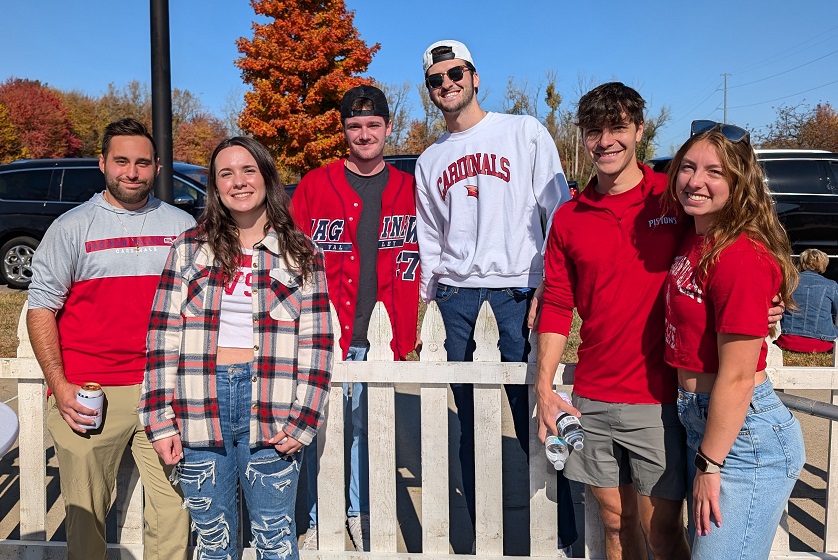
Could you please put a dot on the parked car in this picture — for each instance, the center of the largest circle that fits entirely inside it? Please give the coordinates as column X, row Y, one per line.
column 804, row 185
column 35, row 192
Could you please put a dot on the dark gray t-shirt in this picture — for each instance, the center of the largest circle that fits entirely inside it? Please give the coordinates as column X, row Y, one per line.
column 370, row 190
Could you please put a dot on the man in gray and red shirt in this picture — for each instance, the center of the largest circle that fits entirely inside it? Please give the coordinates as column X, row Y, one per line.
column 94, row 278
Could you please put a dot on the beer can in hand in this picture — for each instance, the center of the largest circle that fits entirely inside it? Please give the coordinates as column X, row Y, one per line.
column 91, row 396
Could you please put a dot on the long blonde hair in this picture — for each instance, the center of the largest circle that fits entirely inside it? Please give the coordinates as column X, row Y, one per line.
column 748, row 210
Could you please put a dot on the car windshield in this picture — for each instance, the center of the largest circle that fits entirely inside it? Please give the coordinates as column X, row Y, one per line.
column 194, row 172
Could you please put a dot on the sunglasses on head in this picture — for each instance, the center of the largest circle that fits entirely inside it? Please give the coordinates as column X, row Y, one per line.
column 729, row 131
column 455, row 74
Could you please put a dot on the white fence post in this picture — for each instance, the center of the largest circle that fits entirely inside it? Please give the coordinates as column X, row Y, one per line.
column 331, row 526
column 436, row 525
column 31, row 457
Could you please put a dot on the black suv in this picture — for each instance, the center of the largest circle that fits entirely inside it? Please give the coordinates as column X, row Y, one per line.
column 804, row 185
column 35, row 192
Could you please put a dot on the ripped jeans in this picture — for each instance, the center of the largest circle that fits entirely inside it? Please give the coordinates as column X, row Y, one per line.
column 208, row 478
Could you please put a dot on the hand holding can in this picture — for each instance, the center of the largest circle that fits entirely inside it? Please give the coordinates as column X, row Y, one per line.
column 92, row 396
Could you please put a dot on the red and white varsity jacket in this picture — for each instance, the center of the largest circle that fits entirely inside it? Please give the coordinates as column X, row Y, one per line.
column 327, row 208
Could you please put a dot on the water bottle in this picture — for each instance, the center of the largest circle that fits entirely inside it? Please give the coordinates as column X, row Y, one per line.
column 557, row 451
column 570, row 429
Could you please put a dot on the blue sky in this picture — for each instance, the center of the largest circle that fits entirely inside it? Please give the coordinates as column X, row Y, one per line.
column 674, row 53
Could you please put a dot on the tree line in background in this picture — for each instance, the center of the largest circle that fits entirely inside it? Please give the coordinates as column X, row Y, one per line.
column 297, row 66
column 802, row 126
column 38, row 121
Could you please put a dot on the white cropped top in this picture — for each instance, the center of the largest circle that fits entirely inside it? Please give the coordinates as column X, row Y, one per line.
column 236, row 325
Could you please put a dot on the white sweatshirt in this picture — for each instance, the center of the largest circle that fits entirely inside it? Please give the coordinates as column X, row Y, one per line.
column 481, row 196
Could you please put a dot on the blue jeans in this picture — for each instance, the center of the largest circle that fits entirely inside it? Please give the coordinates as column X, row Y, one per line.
column 208, row 477
column 757, row 479
column 355, row 408
column 459, row 308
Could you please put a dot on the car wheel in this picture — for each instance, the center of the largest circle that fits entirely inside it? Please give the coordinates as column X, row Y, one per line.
column 17, row 261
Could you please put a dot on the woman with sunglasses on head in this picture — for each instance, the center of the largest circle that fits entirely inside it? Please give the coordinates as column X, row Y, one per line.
column 239, row 356
column 747, row 446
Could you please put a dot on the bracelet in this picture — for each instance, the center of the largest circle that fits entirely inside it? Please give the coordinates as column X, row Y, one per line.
column 700, row 452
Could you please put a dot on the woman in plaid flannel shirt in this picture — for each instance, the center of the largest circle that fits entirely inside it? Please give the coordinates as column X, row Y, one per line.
column 239, row 356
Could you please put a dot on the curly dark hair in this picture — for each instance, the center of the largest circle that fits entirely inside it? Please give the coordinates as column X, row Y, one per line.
column 608, row 105
column 217, row 227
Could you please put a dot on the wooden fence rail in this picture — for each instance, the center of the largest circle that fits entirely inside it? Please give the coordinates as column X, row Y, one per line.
column 431, row 377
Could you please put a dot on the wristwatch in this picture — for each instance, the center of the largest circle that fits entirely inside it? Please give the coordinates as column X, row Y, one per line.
column 706, row 465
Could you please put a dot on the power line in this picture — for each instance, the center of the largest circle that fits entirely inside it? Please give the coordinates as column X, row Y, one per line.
column 784, row 97
column 700, row 103
column 783, row 72
column 688, row 114
column 790, row 51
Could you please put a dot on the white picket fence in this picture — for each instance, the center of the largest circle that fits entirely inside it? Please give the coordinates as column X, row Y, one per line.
column 432, row 376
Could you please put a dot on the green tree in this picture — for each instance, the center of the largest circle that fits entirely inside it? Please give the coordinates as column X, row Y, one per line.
column 299, row 64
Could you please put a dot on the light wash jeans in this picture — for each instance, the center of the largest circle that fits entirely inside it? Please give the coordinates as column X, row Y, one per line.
column 757, row 479
column 355, row 408
column 209, row 478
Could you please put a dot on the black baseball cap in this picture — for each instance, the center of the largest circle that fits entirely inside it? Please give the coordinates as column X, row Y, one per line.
column 372, row 93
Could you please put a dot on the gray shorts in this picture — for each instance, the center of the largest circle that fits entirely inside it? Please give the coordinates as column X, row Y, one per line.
column 643, row 444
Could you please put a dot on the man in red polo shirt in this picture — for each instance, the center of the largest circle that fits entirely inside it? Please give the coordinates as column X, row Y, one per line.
column 608, row 254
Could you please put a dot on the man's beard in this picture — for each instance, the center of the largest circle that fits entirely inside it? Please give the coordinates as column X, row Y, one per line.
column 465, row 99
column 124, row 196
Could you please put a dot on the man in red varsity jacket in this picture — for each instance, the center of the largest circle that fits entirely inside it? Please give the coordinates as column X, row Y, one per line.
column 362, row 213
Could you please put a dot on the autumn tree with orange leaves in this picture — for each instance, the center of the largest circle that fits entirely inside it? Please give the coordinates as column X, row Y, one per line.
column 39, row 118
column 197, row 138
column 298, row 66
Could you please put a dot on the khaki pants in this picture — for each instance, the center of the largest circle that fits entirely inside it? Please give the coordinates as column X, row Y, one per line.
column 88, row 464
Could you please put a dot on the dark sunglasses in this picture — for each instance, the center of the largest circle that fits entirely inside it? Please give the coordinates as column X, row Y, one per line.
column 455, row 74
column 729, row 131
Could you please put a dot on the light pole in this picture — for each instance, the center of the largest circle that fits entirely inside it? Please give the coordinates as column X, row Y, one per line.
column 161, row 97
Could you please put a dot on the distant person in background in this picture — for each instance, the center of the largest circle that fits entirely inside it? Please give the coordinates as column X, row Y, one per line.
column 811, row 327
